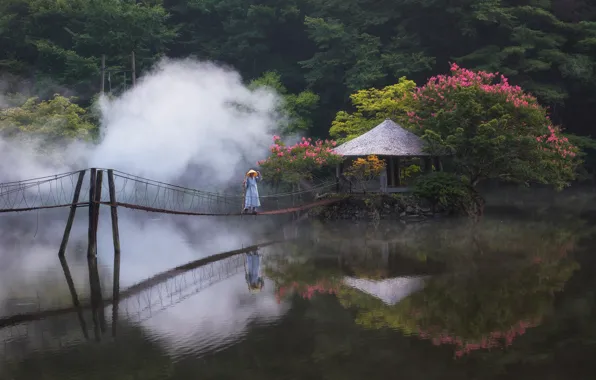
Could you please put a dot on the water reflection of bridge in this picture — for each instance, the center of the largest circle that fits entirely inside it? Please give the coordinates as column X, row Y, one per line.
column 53, row 329
column 145, row 304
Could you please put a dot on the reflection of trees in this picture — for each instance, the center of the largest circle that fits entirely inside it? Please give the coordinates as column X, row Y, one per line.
column 471, row 311
column 305, row 276
column 506, row 277
column 458, row 242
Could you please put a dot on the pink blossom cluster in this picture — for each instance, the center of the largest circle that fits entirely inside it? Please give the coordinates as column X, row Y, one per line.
column 443, row 84
column 306, row 291
column 438, row 88
column 318, row 153
column 555, row 143
column 562, row 252
column 436, row 92
column 496, row 339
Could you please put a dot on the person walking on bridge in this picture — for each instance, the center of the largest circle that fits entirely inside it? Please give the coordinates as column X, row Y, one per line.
column 251, row 191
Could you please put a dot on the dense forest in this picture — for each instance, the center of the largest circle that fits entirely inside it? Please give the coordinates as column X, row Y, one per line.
column 318, row 51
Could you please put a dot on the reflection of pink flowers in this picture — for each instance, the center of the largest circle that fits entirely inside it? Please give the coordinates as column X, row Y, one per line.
column 496, row 339
column 305, row 291
column 562, row 252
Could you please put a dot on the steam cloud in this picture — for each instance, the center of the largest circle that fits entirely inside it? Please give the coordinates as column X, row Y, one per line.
column 183, row 119
column 201, row 122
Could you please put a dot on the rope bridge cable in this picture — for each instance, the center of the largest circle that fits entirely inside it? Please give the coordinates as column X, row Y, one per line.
column 140, row 193
column 41, row 193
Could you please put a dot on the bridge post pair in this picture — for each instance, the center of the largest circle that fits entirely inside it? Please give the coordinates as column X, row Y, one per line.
column 94, row 202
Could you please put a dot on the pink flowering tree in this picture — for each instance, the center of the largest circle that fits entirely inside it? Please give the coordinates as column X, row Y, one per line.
column 292, row 164
column 491, row 129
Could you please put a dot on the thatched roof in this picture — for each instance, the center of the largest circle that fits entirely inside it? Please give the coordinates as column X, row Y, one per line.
column 386, row 139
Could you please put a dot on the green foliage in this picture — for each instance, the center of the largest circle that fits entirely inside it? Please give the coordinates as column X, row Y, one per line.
column 534, row 46
column 411, row 170
column 52, row 120
column 491, row 129
column 372, row 107
column 444, row 190
column 297, row 108
column 322, row 51
column 587, row 152
column 64, row 40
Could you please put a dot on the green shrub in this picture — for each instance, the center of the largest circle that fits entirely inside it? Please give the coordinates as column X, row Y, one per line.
column 445, row 190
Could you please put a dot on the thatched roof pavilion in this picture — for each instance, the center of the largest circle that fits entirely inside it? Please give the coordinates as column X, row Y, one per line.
column 390, row 142
column 386, row 139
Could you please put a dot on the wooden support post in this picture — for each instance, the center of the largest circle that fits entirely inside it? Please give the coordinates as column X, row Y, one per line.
column 97, row 200
column 96, row 203
column 134, row 70
column 92, row 266
column 103, row 74
column 115, row 294
column 71, row 215
column 73, row 295
column 92, row 232
column 116, row 239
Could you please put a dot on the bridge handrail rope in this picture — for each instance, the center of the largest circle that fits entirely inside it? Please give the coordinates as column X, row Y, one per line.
column 19, row 185
column 48, row 177
column 182, row 188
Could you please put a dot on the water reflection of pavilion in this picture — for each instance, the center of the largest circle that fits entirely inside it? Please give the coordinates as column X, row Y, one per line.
column 386, row 275
column 390, row 290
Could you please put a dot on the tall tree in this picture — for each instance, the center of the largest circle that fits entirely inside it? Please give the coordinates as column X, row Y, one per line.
column 64, row 40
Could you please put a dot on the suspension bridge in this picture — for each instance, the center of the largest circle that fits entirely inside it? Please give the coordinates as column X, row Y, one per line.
column 126, row 190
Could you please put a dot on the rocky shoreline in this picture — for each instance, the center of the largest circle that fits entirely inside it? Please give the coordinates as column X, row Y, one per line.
column 375, row 207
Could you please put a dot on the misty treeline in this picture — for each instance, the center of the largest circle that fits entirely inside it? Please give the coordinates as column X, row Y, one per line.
column 316, row 52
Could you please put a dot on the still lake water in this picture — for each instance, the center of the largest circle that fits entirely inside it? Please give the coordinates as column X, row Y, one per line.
column 511, row 297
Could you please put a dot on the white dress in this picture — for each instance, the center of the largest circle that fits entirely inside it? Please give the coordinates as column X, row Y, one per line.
column 251, row 198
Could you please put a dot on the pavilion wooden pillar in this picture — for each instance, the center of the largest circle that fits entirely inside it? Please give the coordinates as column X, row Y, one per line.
column 438, row 164
column 337, row 174
column 397, row 171
column 389, row 163
column 428, row 165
